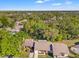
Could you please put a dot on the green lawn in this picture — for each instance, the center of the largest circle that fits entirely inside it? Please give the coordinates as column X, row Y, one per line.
column 69, row 42
column 44, row 56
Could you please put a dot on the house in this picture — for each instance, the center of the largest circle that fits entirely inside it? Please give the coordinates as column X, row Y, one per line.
column 60, row 50
column 75, row 49
column 28, row 43
column 18, row 26
column 41, row 47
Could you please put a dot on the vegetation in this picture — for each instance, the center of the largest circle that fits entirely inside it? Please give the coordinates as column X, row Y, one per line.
column 51, row 26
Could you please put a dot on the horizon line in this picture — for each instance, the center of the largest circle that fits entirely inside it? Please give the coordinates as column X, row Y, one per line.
column 39, row 10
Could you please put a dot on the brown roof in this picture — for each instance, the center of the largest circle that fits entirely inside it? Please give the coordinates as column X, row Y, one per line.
column 28, row 43
column 59, row 48
column 42, row 45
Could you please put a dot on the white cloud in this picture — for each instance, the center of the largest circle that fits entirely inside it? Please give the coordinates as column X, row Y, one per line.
column 42, row 1
column 68, row 2
column 39, row 1
column 56, row 4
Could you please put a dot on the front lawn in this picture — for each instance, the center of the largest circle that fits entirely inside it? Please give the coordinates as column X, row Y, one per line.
column 44, row 56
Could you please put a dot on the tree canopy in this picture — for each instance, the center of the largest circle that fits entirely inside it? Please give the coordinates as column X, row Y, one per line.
column 51, row 26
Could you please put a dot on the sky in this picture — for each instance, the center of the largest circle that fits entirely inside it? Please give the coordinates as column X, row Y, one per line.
column 39, row 5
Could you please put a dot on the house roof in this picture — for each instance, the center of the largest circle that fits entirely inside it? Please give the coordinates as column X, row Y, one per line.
column 77, row 49
column 42, row 45
column 28, row 43
column 77, row 46
column 59, row 49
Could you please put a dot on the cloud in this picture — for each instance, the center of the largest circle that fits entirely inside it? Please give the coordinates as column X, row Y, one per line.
column 68, row 2
column 56, row 4
column 41, row 1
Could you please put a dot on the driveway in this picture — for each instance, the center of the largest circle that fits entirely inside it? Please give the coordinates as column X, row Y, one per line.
column 36, row 54
column 31, row 55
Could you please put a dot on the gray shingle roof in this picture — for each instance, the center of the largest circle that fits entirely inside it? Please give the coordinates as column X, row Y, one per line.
column 59, row 48
column 28, row 42
column 42, row 45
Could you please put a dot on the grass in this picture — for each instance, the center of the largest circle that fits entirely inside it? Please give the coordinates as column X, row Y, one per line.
column 73, row 55
column 44, row 56
column 25, row 52
column 69, row 43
